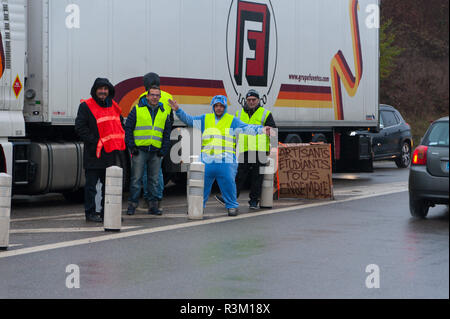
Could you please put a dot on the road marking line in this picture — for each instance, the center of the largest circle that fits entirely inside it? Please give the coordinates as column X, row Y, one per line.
column 148, row 216
column 64, row 230
column 29, row 219
column 92, row 240
column 209, row 204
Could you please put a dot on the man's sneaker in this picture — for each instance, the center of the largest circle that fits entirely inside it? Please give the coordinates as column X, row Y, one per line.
column 220, row 199
column 253, row 204
column 232, row 212
column 131, row 209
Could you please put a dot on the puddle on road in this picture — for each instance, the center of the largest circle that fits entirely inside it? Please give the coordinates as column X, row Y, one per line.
column 217, row 252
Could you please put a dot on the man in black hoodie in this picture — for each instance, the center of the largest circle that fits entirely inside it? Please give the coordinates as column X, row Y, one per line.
column 100, row 126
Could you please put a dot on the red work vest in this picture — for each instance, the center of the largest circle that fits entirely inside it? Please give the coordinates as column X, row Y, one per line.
column 112, row 135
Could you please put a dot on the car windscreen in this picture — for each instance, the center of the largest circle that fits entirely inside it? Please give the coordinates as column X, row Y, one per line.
column 437, row 135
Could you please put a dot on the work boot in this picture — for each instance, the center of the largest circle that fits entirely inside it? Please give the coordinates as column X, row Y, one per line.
column 93, row 217
column 232, row 212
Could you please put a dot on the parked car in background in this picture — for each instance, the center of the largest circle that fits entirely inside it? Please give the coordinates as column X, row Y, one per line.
column 428, row 175
column 394, row 140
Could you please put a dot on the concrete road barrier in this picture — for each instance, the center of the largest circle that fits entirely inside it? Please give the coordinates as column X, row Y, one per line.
column 113, row 199
column 5, row 209
column 267, row 186
column 195, row 186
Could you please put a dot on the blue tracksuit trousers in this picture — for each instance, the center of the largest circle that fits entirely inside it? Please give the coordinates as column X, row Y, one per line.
column 225, row 174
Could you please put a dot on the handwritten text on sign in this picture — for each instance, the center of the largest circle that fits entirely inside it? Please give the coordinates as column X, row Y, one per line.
column 305, row 171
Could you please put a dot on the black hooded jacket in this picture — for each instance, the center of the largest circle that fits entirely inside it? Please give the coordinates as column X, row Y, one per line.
column 86, row 128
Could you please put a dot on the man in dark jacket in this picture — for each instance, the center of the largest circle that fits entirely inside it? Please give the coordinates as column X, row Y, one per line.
column 152, row 79
column 147, row 134
column 253, row 151
column 100, row 126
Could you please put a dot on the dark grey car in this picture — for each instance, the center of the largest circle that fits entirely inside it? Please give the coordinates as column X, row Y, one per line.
column 394, row 141
column 428, row 176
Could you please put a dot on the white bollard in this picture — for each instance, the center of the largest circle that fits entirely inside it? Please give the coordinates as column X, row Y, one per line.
column 5, row 209
column 112, row 220
column 267, row 186
column 192, row 159
column 195, row 186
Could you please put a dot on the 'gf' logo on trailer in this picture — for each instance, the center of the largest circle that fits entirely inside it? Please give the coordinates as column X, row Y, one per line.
column 251, row 48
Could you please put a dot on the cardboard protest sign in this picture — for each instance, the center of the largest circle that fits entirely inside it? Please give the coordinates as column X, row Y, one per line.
column 304, row 171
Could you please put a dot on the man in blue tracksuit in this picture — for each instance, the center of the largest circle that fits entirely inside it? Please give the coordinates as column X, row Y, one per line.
column 219, row 130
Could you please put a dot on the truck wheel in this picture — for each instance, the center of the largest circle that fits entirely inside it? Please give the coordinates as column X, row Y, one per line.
column 405, row 157
column 317, row 138
column 293, row 139
column 418, row 207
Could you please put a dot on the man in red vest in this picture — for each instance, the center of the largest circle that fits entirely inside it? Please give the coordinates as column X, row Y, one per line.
column 100, row 125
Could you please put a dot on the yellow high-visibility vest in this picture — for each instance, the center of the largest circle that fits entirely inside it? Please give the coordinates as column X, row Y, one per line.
column 148, row 132
column 260, row 142
column 216, row 138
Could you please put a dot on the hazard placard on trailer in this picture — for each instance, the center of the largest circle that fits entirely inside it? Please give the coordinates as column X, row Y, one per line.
column 17, row 86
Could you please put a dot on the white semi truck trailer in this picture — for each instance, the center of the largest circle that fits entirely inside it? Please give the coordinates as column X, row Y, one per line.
column 314, row 63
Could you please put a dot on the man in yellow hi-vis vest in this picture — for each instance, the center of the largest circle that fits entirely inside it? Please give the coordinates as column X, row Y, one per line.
column 219, row 131
column 253, row 150
column 152, row 79
column 147, row 135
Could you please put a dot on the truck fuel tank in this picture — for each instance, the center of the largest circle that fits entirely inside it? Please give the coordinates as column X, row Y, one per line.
column 55, row 167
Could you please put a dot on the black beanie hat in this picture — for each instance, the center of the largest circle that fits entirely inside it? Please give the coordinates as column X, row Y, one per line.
column 253, row 93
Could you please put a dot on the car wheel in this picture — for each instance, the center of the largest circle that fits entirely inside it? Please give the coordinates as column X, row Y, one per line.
column 418, row 207
column 405, row 157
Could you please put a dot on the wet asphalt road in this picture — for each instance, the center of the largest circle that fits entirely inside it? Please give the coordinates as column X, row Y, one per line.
column 317, row 252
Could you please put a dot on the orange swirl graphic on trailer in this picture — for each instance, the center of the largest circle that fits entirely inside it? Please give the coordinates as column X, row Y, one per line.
column 2, row 57
column 340, row 69
column 183, row 90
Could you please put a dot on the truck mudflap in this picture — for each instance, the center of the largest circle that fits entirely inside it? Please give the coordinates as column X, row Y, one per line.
column 365, row 147
column 355, row 153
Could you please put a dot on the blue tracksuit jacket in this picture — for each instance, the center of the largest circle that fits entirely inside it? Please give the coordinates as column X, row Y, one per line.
column 222, row 167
